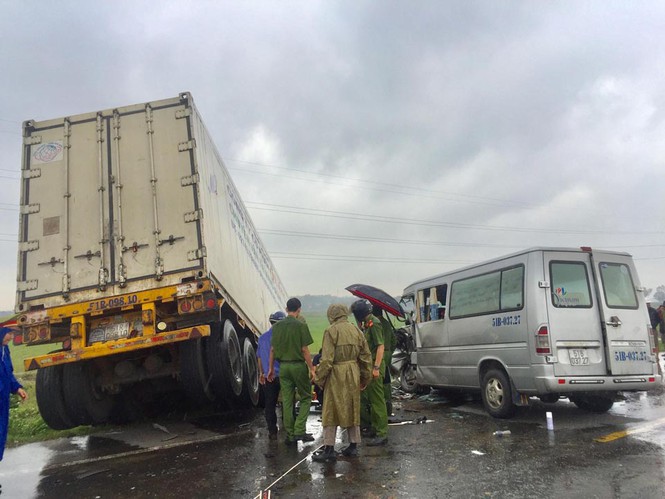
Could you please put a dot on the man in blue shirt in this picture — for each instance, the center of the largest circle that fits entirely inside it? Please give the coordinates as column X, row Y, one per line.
column 270, row 388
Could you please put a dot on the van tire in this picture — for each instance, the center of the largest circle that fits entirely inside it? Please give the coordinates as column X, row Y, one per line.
column 497, row 394
column 407, row 379
column 593, row 403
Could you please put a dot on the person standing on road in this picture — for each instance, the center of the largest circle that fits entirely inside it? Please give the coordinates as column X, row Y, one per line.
column 8, row 384
column 290, row 346
column 373, row 412
column 390, row 342
column 270, row 388
column 344, row 370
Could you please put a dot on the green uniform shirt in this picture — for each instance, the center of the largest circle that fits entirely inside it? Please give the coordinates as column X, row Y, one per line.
column 389, row 339
column 373, row 334
column 288, row 337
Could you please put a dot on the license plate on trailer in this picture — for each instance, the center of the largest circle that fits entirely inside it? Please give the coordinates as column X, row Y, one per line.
column 578, row 357
column 109, row 332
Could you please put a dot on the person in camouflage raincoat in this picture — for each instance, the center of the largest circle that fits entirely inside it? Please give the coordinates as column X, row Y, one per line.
column 345, row 368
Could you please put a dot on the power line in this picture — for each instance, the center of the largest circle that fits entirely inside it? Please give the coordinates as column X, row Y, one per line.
column 401, row 189
column 426, row 223
column 361, row 258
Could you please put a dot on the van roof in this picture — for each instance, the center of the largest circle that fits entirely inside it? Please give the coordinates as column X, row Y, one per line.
column 505, row 257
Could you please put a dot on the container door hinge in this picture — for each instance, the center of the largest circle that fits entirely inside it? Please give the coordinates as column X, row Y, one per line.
column 28, row 246
column 32, row 140
column 27, row 209
column 196, row 254
column 190, row 180
column 26, row 285
column 193, row 216
column 183, row 113
column 186, row 146
column 31, row 173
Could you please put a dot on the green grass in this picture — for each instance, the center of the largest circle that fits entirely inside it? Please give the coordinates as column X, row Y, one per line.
column 26, row 424
column 20, row 352
column 317, row 325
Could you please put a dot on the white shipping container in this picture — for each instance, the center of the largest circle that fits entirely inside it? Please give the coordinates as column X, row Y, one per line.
column 135, row 198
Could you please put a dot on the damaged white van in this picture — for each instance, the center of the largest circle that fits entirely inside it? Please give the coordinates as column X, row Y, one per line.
column 545, row 322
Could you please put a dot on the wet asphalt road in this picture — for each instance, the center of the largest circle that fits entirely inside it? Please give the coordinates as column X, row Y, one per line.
column 456, row 455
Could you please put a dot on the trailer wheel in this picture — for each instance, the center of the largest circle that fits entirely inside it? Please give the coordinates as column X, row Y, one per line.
column 497, row 394
column 194, row 377
column 225, row 361
column 86, row 402
column 250, row 379
column 593, row 403
column 50, row 398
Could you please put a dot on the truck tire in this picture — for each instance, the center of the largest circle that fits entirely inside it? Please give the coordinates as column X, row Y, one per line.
column 250, row 378
column 194, row 377
column 225, row 362
column 497, row 394
column 593, row 403
column 85, row 401
column 50, row 398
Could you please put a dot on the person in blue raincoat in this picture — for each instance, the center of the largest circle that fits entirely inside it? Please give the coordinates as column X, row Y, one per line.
column 8, row 384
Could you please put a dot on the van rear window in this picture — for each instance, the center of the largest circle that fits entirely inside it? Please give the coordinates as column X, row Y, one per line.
column 618, row 285
column 570, row 285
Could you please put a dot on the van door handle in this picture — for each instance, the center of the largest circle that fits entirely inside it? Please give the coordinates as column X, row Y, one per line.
column 614, row 321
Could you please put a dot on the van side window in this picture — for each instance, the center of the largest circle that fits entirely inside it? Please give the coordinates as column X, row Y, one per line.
column 570, row 285
column 618, row 285
column 498, row 291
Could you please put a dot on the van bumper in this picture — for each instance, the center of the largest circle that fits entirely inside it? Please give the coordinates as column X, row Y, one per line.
column 546, row 382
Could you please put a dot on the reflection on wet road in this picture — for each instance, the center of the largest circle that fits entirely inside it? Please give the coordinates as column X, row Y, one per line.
column 454, row 455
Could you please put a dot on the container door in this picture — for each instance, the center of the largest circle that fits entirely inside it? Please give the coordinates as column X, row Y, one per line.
column 574, row 316
column 64, row 174
column 624, row 316
column 155, row 211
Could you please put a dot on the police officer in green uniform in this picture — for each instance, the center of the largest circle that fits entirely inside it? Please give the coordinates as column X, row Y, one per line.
column 290, row 346
column 373, row 403
column 389, row 342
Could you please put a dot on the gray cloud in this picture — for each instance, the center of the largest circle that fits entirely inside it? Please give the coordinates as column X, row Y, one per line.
column 543, row 116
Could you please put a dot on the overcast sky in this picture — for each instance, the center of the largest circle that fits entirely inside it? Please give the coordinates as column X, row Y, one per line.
column 377, row 142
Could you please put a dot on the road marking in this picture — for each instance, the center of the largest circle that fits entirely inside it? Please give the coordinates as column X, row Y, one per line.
column 610, row 437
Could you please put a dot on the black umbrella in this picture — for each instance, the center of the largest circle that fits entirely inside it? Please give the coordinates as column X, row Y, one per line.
column 377, row 297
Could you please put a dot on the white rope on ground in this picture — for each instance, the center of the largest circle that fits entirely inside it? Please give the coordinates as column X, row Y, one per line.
column 287, row 472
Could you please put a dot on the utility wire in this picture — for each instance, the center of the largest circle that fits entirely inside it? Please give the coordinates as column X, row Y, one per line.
column 401, row 189
column 426, row 223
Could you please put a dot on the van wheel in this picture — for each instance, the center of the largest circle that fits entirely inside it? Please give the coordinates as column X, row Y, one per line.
column 407, row 379
column 497, row 394
column 50, row 399
column 225, row 362
column 593, row 403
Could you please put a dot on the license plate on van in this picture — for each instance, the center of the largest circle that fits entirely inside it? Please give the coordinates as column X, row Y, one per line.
column 578, row 357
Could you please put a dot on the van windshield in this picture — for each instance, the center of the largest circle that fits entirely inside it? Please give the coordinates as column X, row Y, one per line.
column 618, row 285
